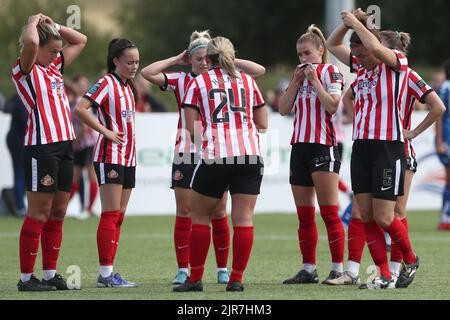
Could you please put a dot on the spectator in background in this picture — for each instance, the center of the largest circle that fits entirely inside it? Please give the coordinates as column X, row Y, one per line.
column 83, row 147
column 146, row 102
column 437, row 79
column 273, row 96
column 14, row 140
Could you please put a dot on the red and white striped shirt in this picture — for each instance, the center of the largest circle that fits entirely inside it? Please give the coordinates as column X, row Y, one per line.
column 378, row 95
column 43, row 95
column 417, row 90
column 312, row 122
column 226, row 107
column 177, row 82
column 115, row 110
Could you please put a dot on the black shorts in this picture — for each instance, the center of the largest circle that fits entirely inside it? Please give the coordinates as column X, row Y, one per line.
column 49, row 167
column 183, row 167
column 411, row 164
column 340, row 148
column 116, row 174
column 83, row 157
column 241, row 175
column 378, row 167
column 307, row 158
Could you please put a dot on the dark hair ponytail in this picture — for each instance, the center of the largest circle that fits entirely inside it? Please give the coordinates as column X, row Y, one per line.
column 116, row 49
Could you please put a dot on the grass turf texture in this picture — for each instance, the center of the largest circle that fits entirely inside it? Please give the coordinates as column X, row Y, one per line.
column 146, row 255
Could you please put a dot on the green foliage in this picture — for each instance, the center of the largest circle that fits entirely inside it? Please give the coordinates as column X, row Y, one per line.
column 14, row 15
column 264, row 31
column 427, row 22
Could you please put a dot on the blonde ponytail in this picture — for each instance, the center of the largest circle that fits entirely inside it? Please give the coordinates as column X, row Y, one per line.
column 198, row 40
column 46, row 32
column 315, row 35
column 220, row 51
column 405, row 38
column 396, row 40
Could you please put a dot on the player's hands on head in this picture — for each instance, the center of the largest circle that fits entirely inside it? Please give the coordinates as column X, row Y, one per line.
column 183, row 58
column 349, row 19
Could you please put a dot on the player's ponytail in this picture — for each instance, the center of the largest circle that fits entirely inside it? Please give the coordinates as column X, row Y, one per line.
column 198, row 40
column 396, row 40
column 116, row 49
column 315, row 36
column 221, row 52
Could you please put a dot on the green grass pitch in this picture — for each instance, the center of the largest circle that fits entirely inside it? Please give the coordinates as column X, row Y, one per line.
column 146, row 255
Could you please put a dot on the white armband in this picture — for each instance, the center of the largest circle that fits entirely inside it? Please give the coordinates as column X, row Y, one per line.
column 334, row 88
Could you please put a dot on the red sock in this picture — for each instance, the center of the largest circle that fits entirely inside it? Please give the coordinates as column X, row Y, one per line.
column 93, row 191
column 29, row 243
column 75, row 188
column 335, row 231
column 242, row 247
column 342, row 186
column 307, row 234
column 356, row 240
column 182, row 235
column 106, row 237
column 117, row 236
column 396, row 253
column 399, row 236
column 377, row 247
column 199, row 244
column 221, row 240
column 51, row 239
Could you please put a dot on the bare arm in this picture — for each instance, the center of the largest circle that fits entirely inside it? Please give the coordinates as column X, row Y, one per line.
column 30, row 39
column 251, row 68
column 371, row 42
column 81, row 110
column 76, row 43
column 348, row 102
column 191, row 115
column 153, row 72
column 437, row 108
column 261, row 118
column 335, row 44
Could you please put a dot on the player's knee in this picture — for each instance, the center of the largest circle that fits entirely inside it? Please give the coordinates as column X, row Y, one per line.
column 184, row 210
column 384, row 221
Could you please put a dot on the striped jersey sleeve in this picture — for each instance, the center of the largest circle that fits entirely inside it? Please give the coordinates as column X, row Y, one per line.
column 191, row 97
column 98, row 93
column 171, row 81
column 333, row 80
column 59, row 62
column 417, row 87
column 402, row 60
column 354, row 65
column 257, row 96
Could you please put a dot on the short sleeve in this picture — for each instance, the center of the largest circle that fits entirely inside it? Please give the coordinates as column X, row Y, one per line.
column 191, row 98
column 171, row 81
column 258, row 100
column 354, row 87
column 402, row 60
column 59, row 62
column 353, row 63
column 333, row 80
column 418, row 87
column 98, row 93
